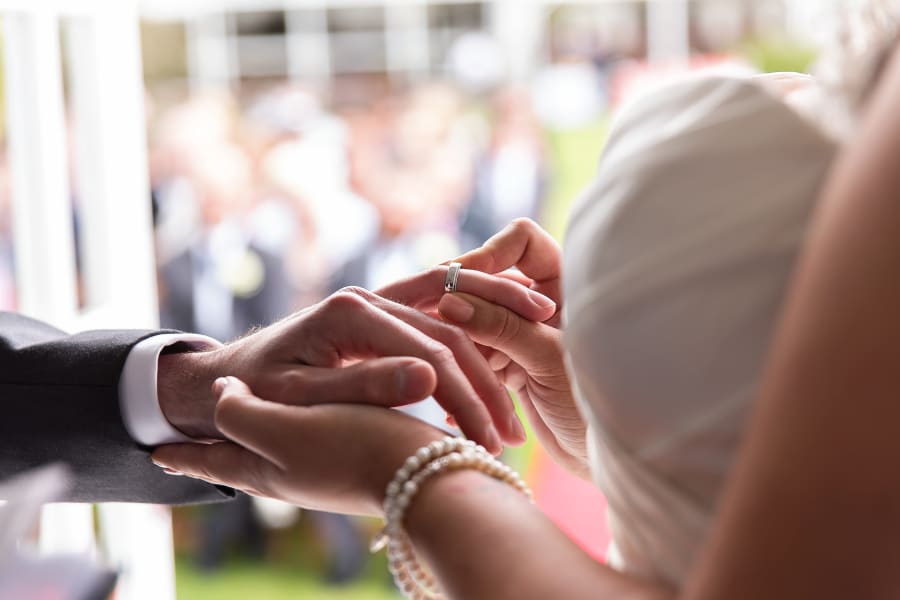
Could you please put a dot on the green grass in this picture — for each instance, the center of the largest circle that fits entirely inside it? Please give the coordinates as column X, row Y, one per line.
column 243, row 580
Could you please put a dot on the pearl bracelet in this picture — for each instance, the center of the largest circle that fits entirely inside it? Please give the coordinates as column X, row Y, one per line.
column 448, row 454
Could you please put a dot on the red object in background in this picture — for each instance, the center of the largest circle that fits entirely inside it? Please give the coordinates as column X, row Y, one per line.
column 575, row 505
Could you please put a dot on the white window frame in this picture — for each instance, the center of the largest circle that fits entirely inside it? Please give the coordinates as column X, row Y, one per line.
column 117, row 260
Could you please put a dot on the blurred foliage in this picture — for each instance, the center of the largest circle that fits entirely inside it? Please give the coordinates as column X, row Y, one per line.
column 240, row 580
column 773, row 54
column 574, row 155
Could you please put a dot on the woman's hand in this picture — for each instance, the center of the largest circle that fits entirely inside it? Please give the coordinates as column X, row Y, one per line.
column 527, row 355
column 332, row 457
column 520, row 341
column 481, row 538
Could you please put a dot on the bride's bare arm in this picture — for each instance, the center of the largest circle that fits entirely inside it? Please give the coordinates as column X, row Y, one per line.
column 813, row 505
column 484, row 540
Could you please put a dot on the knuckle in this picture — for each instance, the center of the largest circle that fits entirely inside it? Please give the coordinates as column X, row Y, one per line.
column 345, row 300
column 440, row 353
column 448, row 334
column 455, row 337
column 294, row 384
column 355, row 290
column 523, row 225
column 507, row 328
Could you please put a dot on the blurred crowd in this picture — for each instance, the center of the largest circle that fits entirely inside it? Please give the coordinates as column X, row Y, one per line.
column 264, row 207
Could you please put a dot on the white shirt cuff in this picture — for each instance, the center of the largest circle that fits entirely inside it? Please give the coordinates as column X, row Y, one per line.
column 138, row 398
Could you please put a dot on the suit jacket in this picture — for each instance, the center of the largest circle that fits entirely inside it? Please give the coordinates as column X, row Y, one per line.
column 59, row 401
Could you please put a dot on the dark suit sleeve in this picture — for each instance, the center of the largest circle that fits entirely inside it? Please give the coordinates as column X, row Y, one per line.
column 59, row 401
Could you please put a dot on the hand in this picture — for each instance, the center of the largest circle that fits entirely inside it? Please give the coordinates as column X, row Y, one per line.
column 354, row 346
column 332, row 457
column 526, row 354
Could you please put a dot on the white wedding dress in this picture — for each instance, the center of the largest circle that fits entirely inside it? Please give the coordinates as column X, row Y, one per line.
column 676, row 263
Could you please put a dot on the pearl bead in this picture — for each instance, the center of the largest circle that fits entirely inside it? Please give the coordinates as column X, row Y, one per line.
column 410, row 487
column 412, row 464
column 437, row 447
column 393, row 488
column 423, row 454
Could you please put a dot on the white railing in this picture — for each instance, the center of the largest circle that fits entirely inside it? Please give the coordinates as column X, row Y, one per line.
column 102, row 48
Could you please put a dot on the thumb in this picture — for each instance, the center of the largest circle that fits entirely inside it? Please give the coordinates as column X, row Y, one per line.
column 532, row 345
column 250, row 421
column 388, row 381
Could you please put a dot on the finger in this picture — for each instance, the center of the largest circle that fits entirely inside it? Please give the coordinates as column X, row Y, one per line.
column 222, row 463
column 357, row 324
column 515, row 276
column 424, row 291
column 391, row 381
column 248, row 420
column 522, row 244
column 514, row 377
column 498, row 360
column 534, row 346
column 469, row 360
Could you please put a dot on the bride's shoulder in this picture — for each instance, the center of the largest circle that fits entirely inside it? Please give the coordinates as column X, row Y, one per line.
column 694, row 102
column 704, row 154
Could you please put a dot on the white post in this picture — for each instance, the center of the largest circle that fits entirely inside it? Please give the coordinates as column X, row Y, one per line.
column 668, row 31
column 42, row 209
column 209, row 53
column 518, row 26
column 119, row 267
column 111, row 165
column 406, row 37
column 308, row 50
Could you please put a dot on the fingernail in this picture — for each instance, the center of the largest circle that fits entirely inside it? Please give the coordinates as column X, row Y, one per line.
column 169, row 471
column 219, row 385
column 516, row 426
column 541, row 300
column 494, row 445
column 456, row 309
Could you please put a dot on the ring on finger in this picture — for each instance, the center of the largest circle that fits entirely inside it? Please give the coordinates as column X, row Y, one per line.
column 452, row 277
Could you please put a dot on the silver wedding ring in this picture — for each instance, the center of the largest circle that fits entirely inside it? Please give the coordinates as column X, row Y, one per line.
column 452, row 277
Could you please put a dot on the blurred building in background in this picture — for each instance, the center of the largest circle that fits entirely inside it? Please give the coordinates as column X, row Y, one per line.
column 297, row 146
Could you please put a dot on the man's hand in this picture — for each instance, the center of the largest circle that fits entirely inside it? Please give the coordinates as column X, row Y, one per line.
column 355, row 346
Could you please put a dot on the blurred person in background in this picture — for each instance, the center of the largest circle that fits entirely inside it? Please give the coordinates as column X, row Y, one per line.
column 218, row 275
column 413, row 163
column 510, row 174
column 306, row 163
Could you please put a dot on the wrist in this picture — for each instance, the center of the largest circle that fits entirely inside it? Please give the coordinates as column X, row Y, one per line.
column 394, row 459
column 184, row 391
